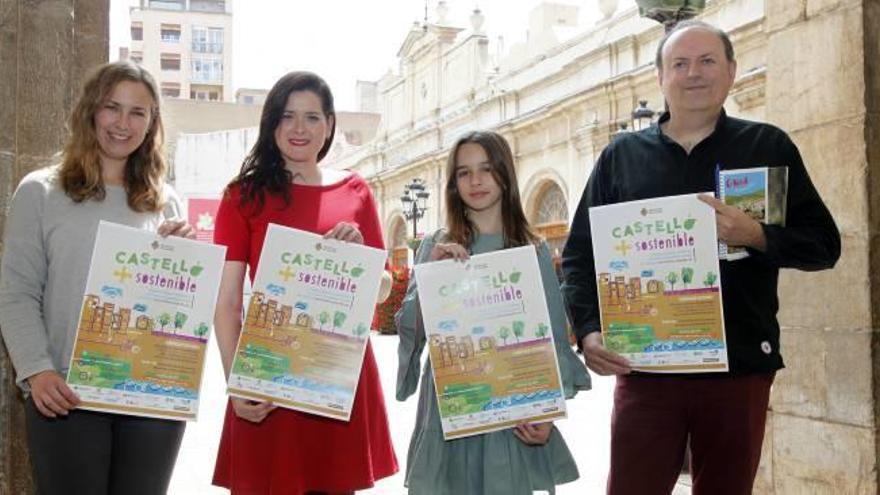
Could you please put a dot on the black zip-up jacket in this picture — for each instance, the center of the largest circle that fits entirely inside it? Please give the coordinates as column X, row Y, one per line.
column 648, row 164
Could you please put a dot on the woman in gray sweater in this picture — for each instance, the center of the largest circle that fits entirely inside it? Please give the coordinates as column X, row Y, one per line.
column 111, row 169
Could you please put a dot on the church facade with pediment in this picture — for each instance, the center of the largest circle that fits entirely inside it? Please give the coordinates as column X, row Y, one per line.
column 558, row 98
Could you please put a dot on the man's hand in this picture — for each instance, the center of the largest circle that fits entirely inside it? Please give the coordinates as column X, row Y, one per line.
column 251, row 410
column 601, row 360
column 734, row 226
column 51, row 394
column 533, row 433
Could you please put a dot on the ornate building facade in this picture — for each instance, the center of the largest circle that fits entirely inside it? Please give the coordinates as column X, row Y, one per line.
column 807, row 66
column 558, row 98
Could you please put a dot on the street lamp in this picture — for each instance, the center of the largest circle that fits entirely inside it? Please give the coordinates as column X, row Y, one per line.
column 670, row 12
column 642, row 116
column 414, row 201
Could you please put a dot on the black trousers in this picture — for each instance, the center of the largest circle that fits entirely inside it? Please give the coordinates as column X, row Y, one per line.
column 93, row 453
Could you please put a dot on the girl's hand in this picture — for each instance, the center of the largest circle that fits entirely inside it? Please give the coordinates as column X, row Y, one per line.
column 177, row 228
column 251, row 410
column 533, row 433
column 344, row 231
column 51, row 394
column 442, row 251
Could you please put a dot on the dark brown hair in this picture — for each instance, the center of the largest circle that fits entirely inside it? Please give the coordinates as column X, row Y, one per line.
column 263, row 169
column 461, row 230
column 80, row 171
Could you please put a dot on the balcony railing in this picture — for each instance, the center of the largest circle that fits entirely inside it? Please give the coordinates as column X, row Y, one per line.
column 204, row 47
column 207, row 5
column 218, row 6
column 207, row 77
column 166, row 4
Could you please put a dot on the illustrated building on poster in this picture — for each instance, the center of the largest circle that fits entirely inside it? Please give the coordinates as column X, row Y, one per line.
column 620, row 290
column 268, row 315
column 103, row 318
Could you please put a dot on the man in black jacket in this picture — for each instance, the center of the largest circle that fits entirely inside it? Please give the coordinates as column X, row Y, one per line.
column 722, row 414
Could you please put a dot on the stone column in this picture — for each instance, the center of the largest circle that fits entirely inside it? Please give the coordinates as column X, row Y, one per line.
column 822, row 87
column 46, row 48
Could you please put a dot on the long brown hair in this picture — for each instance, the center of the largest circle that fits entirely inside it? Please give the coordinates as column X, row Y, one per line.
column 263, row 170
column 80, row 171
column 461, row 230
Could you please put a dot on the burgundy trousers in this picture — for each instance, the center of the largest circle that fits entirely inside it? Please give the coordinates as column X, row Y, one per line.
column 655, row 415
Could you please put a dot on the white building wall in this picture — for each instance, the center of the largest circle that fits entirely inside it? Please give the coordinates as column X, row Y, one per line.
column 205, row 163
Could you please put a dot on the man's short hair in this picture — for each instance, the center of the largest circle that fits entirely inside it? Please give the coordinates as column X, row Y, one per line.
column 691, row 23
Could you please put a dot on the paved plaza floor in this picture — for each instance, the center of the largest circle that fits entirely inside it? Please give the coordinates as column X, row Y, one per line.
column 586, row 430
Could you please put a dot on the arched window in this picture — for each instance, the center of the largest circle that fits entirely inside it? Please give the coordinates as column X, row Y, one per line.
column 551, row 206
column 398, row 242
column 550, row 217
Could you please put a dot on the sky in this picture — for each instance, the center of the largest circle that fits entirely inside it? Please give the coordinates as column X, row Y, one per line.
column 342, row 40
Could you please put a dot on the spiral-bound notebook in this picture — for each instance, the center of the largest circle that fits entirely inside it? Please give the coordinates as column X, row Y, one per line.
column 761, row 192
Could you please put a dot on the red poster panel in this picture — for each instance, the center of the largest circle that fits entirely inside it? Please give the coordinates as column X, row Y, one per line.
column 201, row 213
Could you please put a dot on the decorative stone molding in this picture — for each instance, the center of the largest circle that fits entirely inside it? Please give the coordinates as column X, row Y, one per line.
column 749, row 89
column 442, row 12
column 584, row 136
column 477, row 20
column 607, row 8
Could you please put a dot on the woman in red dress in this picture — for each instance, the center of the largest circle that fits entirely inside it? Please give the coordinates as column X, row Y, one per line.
column 268, row 450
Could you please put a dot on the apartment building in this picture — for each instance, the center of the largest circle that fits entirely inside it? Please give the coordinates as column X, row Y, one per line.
column 187, row 45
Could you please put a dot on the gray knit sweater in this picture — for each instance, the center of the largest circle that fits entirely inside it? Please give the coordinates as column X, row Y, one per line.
column 48, row 242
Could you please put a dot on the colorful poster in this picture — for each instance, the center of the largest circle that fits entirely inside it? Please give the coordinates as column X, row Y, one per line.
column 201, row 213
column 490, row 342
column 657, row 276
column 144, row 325
column 307, row 323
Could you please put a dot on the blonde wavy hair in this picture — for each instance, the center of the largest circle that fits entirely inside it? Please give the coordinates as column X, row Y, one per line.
column 80, row 170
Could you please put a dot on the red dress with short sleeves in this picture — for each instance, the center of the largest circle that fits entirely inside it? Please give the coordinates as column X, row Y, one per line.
column 292, row 452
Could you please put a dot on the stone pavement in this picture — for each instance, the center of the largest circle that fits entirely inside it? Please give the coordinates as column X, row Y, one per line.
column 586, row 431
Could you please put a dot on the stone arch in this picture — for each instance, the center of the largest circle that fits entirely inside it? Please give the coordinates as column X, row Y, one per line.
column 550, row 205
column 396, row 241
column 538, row 184
column 547, row 210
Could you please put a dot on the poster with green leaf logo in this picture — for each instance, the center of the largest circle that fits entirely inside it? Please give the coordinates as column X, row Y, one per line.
column 307, row 322
column 657, row 275
column 491, row 348
column 144, row 325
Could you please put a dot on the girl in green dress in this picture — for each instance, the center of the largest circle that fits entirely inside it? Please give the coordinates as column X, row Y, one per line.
column 483, row 214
